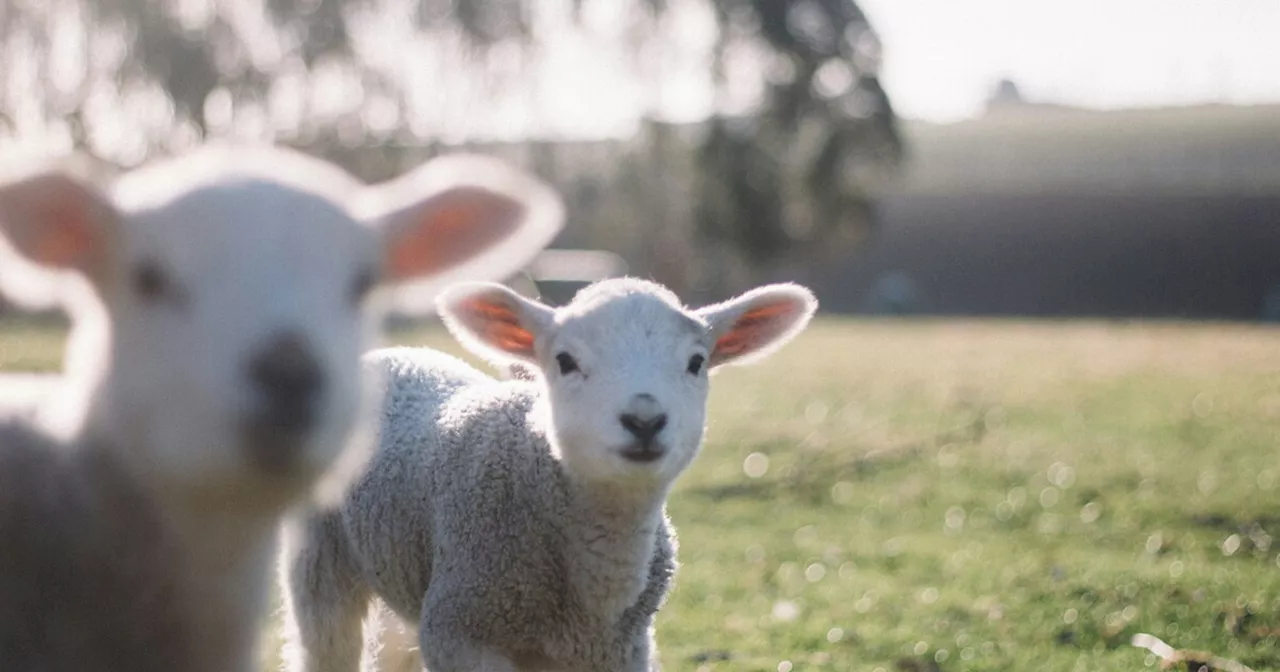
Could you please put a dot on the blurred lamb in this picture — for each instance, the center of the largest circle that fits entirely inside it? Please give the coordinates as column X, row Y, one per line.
column 222, row 302
column 521, row 524
column 26, row 393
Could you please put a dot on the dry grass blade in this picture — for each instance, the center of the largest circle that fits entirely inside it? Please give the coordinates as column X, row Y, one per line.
column 1194, row 661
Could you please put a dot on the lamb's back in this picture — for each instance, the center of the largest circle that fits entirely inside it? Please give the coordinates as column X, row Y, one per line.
column 442, row 426
column 418, row 382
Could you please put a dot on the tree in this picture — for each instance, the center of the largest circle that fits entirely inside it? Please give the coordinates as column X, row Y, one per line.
column 801, row 169
column 797, row 164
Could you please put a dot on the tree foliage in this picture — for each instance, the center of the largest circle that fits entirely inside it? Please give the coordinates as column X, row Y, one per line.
column 800, row 171
column 798, row 166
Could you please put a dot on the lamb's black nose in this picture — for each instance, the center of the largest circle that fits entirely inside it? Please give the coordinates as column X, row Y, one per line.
column 644, row 428
column 288, row 380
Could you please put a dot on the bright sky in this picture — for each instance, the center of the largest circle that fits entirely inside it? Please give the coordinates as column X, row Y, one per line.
column 941, row 61
column 943, row 56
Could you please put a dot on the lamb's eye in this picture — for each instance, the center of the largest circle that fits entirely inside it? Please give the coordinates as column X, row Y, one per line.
column 695, row 364
column 362, row 284
column 150, row 282
column 567, row 363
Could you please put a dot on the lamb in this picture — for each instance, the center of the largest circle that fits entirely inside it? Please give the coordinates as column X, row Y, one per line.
column 90, row 578
column 521, row 524
column 222, row 302
column 26, row 393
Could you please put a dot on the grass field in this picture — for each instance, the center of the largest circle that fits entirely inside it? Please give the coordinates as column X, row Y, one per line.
column 973, row 496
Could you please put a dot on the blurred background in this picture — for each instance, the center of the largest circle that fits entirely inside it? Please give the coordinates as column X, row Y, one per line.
column 938, row 494
column 984, row 157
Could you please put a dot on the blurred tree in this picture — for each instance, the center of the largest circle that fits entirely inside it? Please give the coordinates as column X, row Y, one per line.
column 797, row 167
column 801, row 171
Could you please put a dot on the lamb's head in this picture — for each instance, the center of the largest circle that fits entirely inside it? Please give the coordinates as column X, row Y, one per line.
column 235, row 288
column 625, row 364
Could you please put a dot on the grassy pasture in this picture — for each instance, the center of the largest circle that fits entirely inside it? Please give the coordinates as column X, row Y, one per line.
column 942, row 495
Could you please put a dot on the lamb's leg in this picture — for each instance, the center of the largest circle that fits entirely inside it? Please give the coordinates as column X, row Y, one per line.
column 446, row 649
column 325, row 599
column 467, row 657
column 391, row 643
column 644, row 653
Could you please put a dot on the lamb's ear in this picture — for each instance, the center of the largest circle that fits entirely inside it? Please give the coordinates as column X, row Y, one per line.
column 460, row 218
column 53, row 220
column 755, row 324
column 494, row 322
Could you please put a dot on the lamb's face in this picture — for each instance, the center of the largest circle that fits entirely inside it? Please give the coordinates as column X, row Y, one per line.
column 234, row 286
column 627, row 381
column 625, row 364
column 239, row 317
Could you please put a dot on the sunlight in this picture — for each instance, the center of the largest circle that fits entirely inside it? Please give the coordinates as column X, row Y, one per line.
column 943, row 57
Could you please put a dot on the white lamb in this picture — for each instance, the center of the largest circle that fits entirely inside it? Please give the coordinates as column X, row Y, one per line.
column 226, row 294
column 521, row 524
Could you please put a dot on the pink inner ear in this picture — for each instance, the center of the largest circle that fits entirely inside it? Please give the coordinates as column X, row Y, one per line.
column 497, row 325
column 52, row 222
column 449, row 229
column 66, row 243
column 753, row 329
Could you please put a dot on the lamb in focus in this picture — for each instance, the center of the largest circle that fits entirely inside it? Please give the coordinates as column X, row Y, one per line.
column 521, row 524
column 221, row 303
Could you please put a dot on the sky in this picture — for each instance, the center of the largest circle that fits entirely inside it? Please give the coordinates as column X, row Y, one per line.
column 942, row 57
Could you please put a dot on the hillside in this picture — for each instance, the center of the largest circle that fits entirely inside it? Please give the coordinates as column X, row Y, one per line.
column 1057, row 212
column 1032, row 149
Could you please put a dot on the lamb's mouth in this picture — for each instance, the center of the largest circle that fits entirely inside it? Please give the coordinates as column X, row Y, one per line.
column 274, row 450
column 643, row 453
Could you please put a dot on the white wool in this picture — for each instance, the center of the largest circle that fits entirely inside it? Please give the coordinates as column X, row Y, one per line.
column 521, row 524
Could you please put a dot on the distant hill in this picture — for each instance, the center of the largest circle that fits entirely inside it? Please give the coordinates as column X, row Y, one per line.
column 1031, row 148
column 1171, row 213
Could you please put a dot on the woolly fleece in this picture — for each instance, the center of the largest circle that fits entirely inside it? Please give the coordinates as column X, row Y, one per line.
column 466, row 518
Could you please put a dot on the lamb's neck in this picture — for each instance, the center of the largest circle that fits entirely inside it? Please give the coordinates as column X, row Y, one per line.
column 224, row 558
column 229, row 556
column 226, row 539
column 612, row 540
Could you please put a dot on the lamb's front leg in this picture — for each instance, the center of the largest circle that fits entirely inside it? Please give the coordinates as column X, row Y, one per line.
column 446, row 648
column 325, row 600
column 391, row 643
column 644, row 653
column 446, row 651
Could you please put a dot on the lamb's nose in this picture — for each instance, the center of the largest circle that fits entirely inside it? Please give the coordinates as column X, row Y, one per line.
column 643, row 418
column 642, row 428
column 289, row 379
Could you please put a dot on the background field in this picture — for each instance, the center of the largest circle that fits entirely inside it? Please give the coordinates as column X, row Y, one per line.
column 971, row 496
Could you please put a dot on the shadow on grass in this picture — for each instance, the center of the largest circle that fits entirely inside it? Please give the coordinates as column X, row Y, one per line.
column 815, row 471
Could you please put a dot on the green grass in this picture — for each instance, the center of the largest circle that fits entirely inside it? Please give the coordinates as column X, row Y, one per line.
column 31, row 344
column 975, row 496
